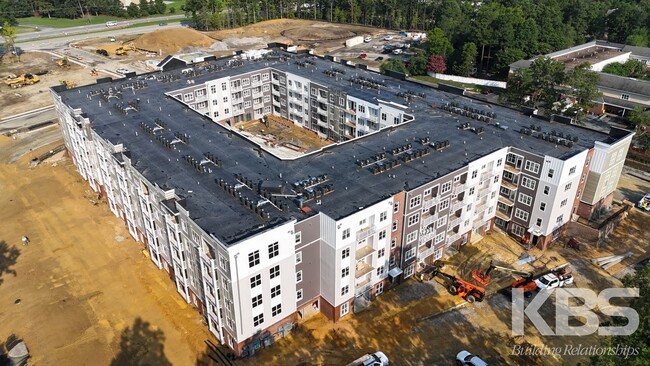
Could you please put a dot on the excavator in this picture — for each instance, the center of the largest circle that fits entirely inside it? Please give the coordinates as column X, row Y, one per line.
column 484, row 277
column 123, row 51
column 20, row 81
column 68, row 84
column 63, row 62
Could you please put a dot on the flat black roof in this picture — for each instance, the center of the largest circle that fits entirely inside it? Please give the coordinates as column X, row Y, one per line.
column 218, row 212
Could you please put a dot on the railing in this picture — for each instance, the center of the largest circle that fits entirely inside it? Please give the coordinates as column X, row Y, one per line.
column 429, row 220
column 362, row 270
column 428, row 236
column 430, row 203
column 424, row 254
column 363, row 252
column 364, row 233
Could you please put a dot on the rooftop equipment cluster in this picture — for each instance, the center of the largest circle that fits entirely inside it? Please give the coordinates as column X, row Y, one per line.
column 466, row 111
column 305, row 63
column 406, row 157
column 367, row 82
column 468, row 127
column 183, row 137
column 135, row 85
column 214, row 159
column 554, row 137
column 440, row 145
column 199, row 165
column 248, row 202
column 334, row 72
column 168, row 78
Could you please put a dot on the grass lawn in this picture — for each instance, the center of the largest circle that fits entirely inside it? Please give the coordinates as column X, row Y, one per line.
column 156, row 23
column 66, row 23
column 176, row 4
column 20, row 30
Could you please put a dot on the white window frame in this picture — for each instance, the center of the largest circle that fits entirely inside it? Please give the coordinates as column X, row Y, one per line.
column 528, row 183
column 413, row 219
column 525, row 199
column 531, row 166
column 521, row 214
column 415, row 202
column 411, row 237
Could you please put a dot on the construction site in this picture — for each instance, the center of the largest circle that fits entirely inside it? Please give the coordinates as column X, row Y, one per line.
column 84, row 291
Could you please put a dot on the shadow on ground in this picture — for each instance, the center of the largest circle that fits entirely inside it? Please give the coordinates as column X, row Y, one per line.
column 141, row 344
column 8, row 257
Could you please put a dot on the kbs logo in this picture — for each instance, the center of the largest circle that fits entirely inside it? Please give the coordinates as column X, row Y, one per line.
column 564, row 311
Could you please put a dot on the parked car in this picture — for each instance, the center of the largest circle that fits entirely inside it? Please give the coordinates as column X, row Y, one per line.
column 367, row 39
column 644, row 204
column 371, row 359
column 464, row 358
column 363, row 55
column 162, row 24
column 379, row 58
column 122, row 70
column 487, row 91
column 556, row 279
column 388, row 37
column 397, row 51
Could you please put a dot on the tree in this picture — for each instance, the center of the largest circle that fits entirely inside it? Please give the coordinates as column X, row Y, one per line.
column 547, row 74
column 9, row 35
column 520, row 85
column 584, row 84
column 418, row 65
column 637, row 340
column 466, row 59
column 640, row 119
column 639, row 39
column 438, row 44
column 631, row 68
column 436, row 64
column 394, row 64
column 145, row 9
column 132, row 10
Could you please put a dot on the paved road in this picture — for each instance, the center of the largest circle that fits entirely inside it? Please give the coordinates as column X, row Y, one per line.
column 28, row 120
column 55, row 32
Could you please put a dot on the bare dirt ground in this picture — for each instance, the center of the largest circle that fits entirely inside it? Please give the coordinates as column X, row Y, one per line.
column 282, row 136
column 82, row 293
column 18, row 100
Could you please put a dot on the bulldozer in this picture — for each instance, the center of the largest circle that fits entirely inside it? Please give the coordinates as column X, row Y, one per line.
column 20, row 81
column 68, row 83
column 63, row 62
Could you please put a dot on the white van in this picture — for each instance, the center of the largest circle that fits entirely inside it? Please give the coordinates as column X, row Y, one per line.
column 112, row 23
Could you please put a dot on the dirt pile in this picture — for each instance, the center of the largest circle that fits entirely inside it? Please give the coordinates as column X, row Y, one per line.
column 173, row 40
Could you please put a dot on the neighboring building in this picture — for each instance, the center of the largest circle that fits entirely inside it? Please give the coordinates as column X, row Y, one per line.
column 257, row 241
column 620, row 94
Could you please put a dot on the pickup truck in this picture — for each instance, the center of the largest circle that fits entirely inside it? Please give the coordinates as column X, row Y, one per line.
column 553, row 280
column 371, row 359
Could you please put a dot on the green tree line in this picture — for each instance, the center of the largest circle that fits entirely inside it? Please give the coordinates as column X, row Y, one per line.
column 12, row 10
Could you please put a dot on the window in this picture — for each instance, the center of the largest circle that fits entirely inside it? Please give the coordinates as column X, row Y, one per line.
column 256, row 281
column 550, row 173
column 408, row 271
column 499, row 162
column 253, row 259
column 226, row 110
column 445, row 188
column 474, row 174
column 572, row 170
column 298, row 276
column 531, row 166
column 441, row 221
column 567, row 187
column 345, row 272
column 393, row 243
column 257, row 300
column 275, row 310
column 383, row 216
column 439, row 237
column 247, row 104
column 625, row 96
column 411, row 237
column 427, row 193
column 546, row 189
column 298, row 237
column 188, row 96
column 528, row 183
column 409, row 254
column 559, row 219
column 518, row 230
column 225, row 99
column 538, row 222
column 345, row 309
column 274, row 271
column 346, row 234
column 362, row 222
column 394, row 225
column 345, row 253
column 563, row 203
column 444, row 205
column 413, row 219
column 525, row 199
column 275, row 291
column 258, row 319
column 396, row 207
column 344, row 290
column 299, row 295
column 521, row 214
column 381, row 252
column 382, row 234
column 542, row 206
column 380, row 270
column 415, row 201
column 213, row 89
column 471, row 191
column 224, row 87
column 274, row 250
column 298, row 257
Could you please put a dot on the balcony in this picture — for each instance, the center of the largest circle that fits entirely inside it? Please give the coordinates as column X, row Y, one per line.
column 322, row 124
column 322, row 99
column 362, row 269
column 454, row 222
column 275, row 92
column 350, row 123
column 428, row 236
column 424, row 254
column 509, row 185
column 365, row 233
column 429, row 220
column 430, row 203
column 363, row 286
column 506, row 201
column 512, row 169
column 459, row 187
column 503, row 215
column 363, row 252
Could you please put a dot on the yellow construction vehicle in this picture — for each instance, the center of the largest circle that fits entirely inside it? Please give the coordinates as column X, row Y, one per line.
column 19, row 81
column 63, row 62
column 68, row 83
column 121, row 51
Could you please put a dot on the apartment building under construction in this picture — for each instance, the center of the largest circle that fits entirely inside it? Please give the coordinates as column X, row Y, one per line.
column 258, row 230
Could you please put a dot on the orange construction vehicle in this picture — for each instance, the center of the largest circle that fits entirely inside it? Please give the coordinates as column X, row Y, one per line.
column 483, row 277
column 462, row 288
